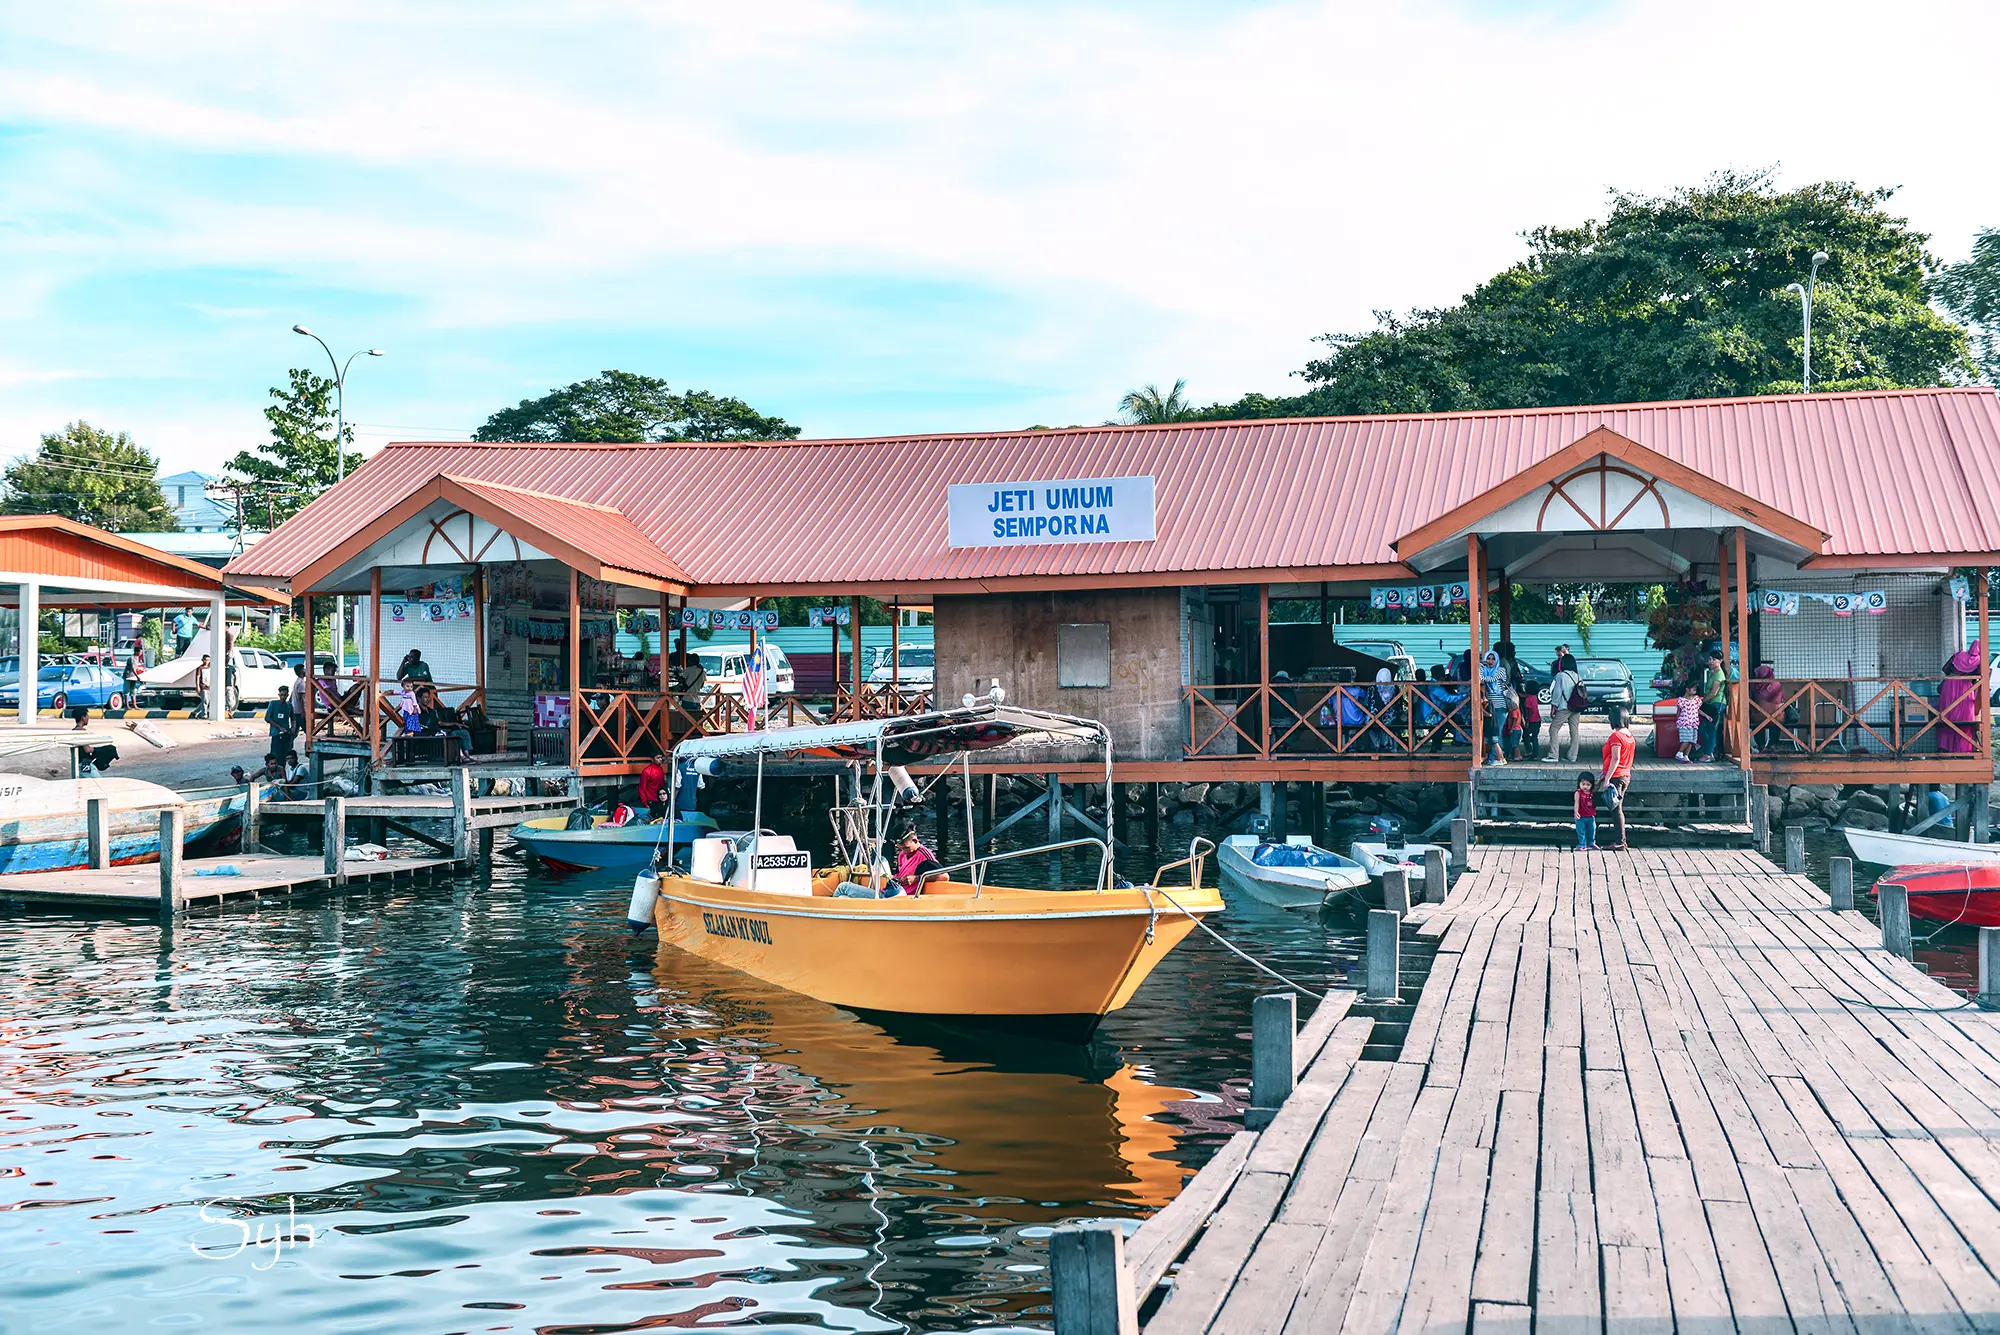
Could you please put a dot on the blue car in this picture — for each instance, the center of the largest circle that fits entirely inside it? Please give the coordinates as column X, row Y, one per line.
column 61, row 685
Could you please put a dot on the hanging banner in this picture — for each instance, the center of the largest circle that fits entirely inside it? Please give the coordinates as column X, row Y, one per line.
column 401, row 612
column 695, row 618
column 1784, row 603
column 1415, row 597
column 1961, row 588
column 829, row 616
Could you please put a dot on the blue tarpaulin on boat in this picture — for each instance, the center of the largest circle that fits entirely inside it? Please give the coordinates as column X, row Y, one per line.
column 1295, row 855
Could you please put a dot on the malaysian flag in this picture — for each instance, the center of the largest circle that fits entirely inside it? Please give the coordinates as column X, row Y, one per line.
column 756, row 685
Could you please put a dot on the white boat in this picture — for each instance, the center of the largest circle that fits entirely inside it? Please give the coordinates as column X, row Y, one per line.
column 1915, row 850
column 1376, row 858
column 1296, row 874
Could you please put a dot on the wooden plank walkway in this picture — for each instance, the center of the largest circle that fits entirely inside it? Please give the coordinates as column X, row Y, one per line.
column 1653, row 1091
column 485, row 812
column 262, row 875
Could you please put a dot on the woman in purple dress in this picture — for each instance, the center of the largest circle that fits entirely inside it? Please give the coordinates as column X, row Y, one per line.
column 1959, row 701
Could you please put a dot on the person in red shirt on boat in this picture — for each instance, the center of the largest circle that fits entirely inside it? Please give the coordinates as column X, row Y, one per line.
column 653, row 787
column 915, row 864
column 1621, row 748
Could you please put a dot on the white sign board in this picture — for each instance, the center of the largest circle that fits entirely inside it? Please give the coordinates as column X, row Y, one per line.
column 1033, row 514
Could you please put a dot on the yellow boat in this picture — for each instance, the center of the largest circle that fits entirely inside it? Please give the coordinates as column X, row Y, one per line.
column 1048, row 961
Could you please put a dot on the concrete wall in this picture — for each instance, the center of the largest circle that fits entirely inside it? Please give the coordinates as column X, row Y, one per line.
column 1012, row 637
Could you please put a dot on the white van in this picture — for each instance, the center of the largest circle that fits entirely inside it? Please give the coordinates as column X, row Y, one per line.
column 723, row 664
column 916, row 665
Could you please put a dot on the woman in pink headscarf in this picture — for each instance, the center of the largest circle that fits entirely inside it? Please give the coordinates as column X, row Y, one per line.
column 1959, row 702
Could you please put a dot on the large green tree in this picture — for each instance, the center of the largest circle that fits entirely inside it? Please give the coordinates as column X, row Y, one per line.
column 1681, row 296
column 93, row 477
column 623, row 406
column 1970, row 290
column 301, row 459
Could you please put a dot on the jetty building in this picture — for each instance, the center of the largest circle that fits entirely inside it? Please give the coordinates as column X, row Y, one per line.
column 1129, row 573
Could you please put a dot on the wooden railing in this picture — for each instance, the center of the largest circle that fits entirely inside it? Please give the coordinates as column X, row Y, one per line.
column 1877, row 716
column 883, row 699
column 623, row 726
column 340, row 706
column 1328, row 718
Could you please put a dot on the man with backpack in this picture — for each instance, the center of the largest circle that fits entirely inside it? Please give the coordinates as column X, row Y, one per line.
column 1568, row 699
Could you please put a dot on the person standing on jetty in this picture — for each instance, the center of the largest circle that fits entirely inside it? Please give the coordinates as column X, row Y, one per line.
column 1621, row 748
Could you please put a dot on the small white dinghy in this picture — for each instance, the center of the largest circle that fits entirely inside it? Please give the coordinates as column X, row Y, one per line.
column 1915, row 850
column 1376, row 857
column 1296, row 874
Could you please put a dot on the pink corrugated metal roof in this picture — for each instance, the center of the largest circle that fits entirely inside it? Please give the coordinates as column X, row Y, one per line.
column 594, row 527
column 1893, row 474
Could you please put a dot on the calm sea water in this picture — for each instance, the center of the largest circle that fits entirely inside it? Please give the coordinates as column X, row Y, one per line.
column 484, row 1106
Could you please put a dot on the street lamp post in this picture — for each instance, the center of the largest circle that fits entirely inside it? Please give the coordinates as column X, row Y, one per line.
column 339, row 473
column 1805, row 291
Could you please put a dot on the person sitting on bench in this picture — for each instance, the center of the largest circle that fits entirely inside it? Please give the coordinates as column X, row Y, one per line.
column 436, row 718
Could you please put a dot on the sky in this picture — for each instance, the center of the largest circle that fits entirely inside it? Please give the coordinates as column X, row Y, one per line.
column 867, row 218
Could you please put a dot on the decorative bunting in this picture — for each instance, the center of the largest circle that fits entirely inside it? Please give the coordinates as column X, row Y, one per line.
column 1783, row 603
column 1961, row 588
column 1415, row 597
column 402, row 612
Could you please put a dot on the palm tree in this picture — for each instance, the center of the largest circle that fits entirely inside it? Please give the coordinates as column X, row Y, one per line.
column 1146, row 406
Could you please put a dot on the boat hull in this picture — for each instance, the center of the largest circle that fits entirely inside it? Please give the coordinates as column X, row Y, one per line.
column 1022, row 959
column 1914, row 850
column 1376, row 858
column 1286, row 887
column 61, row 842
column 603, row 848
column 1968, row 893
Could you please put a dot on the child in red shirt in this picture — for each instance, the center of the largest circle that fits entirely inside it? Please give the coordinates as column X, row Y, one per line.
column 1586, row 810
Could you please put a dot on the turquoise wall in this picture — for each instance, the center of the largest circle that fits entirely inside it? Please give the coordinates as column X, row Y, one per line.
column 1536, row 645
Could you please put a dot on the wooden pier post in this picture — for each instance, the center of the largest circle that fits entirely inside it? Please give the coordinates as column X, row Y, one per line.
column 173, row 899
column 1396, row 892
column 1893, row 903
column 97, row 823
column 1760, row 818
column 1979, row 813
column 336, row 840
column 76, row 762
column 1461, row 846
column 1316, row 812
column 1384, row 956
column 1795, row 850
column 1281, row 809
column 1055, row 808
column 253, row 818
column 1465, row 811
column 1274, row 1027
column 1089, row 1288
column 1988, row 994
column 1437, row 876
column 1841, row 874
column 461, row 814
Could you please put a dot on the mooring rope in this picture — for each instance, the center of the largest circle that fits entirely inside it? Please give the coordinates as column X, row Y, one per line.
column 1234, row 949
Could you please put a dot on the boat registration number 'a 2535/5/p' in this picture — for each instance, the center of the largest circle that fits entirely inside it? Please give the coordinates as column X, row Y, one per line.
column 741, row 929
column 783, row 861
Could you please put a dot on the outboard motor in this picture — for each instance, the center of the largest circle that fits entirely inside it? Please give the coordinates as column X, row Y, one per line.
column 1389, row 827
column 1261, row 827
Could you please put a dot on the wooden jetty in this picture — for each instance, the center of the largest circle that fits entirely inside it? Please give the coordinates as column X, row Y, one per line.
column 1652, row 1091
column 259, row 876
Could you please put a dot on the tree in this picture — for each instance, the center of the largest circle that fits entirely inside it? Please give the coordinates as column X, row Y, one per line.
column 1146, row 406
column 301, row 460
column 1682, row 296
column 622, row 406
column 93, row 477
column 1970, row 290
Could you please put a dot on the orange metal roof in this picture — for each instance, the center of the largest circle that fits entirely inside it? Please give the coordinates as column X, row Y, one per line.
column 600, row 530
column 1889, row 474
column 56, row 549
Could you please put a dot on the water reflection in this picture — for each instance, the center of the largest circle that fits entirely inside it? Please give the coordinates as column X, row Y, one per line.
column 484, row 1106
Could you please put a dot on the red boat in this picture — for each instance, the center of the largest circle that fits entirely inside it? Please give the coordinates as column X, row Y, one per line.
column 1966, row 893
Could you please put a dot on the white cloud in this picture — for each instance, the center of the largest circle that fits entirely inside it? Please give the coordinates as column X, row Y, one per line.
column 1150, row 190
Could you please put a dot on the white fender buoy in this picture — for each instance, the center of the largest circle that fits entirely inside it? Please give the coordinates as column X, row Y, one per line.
column 901, row 786
column 645, row 894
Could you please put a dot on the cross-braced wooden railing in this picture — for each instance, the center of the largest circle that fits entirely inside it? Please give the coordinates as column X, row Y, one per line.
column 1884, row 716
column 883, row 699
column 340, row 706
column 1328, row 718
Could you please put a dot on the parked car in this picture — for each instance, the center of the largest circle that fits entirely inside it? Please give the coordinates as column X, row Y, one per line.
column 61, row 685
column 1391, row 652
column 1607, row 681
column 723, row 663
column 916, row 665
column 259, row 674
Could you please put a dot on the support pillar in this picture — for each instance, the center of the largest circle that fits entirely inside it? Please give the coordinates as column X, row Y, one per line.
column 1055, row 808
column 1979, row 812
column 173, row 898
column 1988, row 994
column 1090, row 1293
column 371, row 696
column 1475, row 700
column 334, row 835
column 253, row 820
column 1384, row 955
column 218, row 663
column 1396, row 892
column 1840, row 881
column 1893, row 904
column 97, row 819
column 461, row 813
column 1739, row 695
column 31, row 644
column 1437, row 876
column 1760, row 818
column 1795, row 850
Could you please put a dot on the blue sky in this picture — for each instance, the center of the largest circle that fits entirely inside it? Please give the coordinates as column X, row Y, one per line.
column 868, row 218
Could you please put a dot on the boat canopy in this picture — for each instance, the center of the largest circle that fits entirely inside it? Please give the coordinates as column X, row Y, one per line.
column 903, row 740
